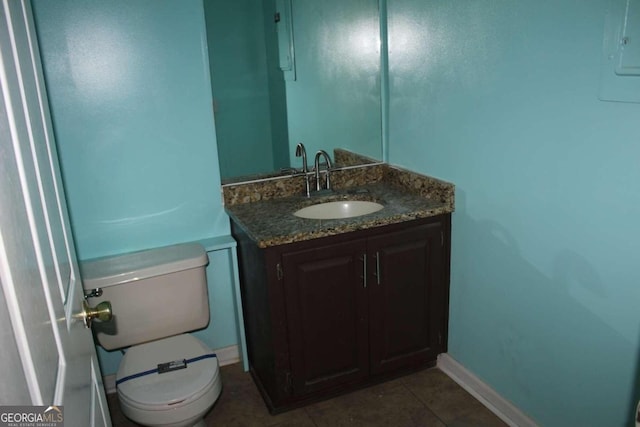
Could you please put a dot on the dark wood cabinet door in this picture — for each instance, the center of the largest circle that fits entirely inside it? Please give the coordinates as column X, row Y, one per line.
column 327, row 315
column 406, row 297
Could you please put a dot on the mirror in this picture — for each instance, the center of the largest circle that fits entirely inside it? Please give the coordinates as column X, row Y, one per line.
column 289, row 71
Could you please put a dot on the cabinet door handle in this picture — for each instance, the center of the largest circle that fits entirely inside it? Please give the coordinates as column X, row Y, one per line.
column 364, row 269
column 378, row 267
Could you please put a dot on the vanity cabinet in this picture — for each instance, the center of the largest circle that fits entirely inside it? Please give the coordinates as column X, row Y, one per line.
column 331, row 314
column 408, row 296
column 327, row 315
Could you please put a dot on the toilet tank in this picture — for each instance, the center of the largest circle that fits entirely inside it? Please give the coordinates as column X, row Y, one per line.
column 154, row 293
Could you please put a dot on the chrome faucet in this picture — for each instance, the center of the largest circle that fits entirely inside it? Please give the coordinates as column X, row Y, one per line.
column 301, row 152
column 327, row 159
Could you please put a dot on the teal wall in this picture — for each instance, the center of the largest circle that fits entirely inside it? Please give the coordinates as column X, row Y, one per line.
column 333, row 102
column 277, row 91
column 130, row 96
column 501, row 98
column 335, row 99
column 250, row 113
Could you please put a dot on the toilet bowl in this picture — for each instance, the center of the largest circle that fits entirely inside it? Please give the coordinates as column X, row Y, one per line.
column 176, row 398
column 166, row 377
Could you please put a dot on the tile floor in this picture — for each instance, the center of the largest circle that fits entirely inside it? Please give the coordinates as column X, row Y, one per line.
column 427, row 398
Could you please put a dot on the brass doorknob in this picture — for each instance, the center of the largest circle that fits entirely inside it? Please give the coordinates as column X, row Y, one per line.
column 101, row 312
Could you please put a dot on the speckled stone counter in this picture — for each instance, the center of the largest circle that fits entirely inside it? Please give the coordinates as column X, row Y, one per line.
column 269, row 220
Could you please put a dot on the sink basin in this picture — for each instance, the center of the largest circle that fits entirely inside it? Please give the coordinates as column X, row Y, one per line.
column 338, row 210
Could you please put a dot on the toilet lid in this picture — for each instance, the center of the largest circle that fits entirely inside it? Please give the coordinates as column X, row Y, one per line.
column 138, row 378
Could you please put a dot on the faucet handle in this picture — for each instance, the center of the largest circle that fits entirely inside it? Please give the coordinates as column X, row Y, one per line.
column 327, row 159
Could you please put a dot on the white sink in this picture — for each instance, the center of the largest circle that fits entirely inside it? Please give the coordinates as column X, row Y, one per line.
column 338, row 210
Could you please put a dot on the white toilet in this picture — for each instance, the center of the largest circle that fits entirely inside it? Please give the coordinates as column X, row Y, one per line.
column 166, row 378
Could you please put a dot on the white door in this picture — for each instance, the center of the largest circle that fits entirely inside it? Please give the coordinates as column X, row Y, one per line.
column 47, row 355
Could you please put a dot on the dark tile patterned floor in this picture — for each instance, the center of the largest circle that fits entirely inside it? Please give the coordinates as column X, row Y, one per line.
column 427, row 398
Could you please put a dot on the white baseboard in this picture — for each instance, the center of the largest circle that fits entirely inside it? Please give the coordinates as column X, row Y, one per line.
column 109, row 383
column 226, row 356
column 497, row 404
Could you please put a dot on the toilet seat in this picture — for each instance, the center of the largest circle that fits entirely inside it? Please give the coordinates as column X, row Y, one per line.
column 153, row 391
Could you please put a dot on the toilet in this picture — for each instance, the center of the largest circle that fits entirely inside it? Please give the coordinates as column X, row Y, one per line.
column 166, row 377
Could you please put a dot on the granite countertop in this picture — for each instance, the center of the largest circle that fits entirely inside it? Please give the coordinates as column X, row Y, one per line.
column 271, row 222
